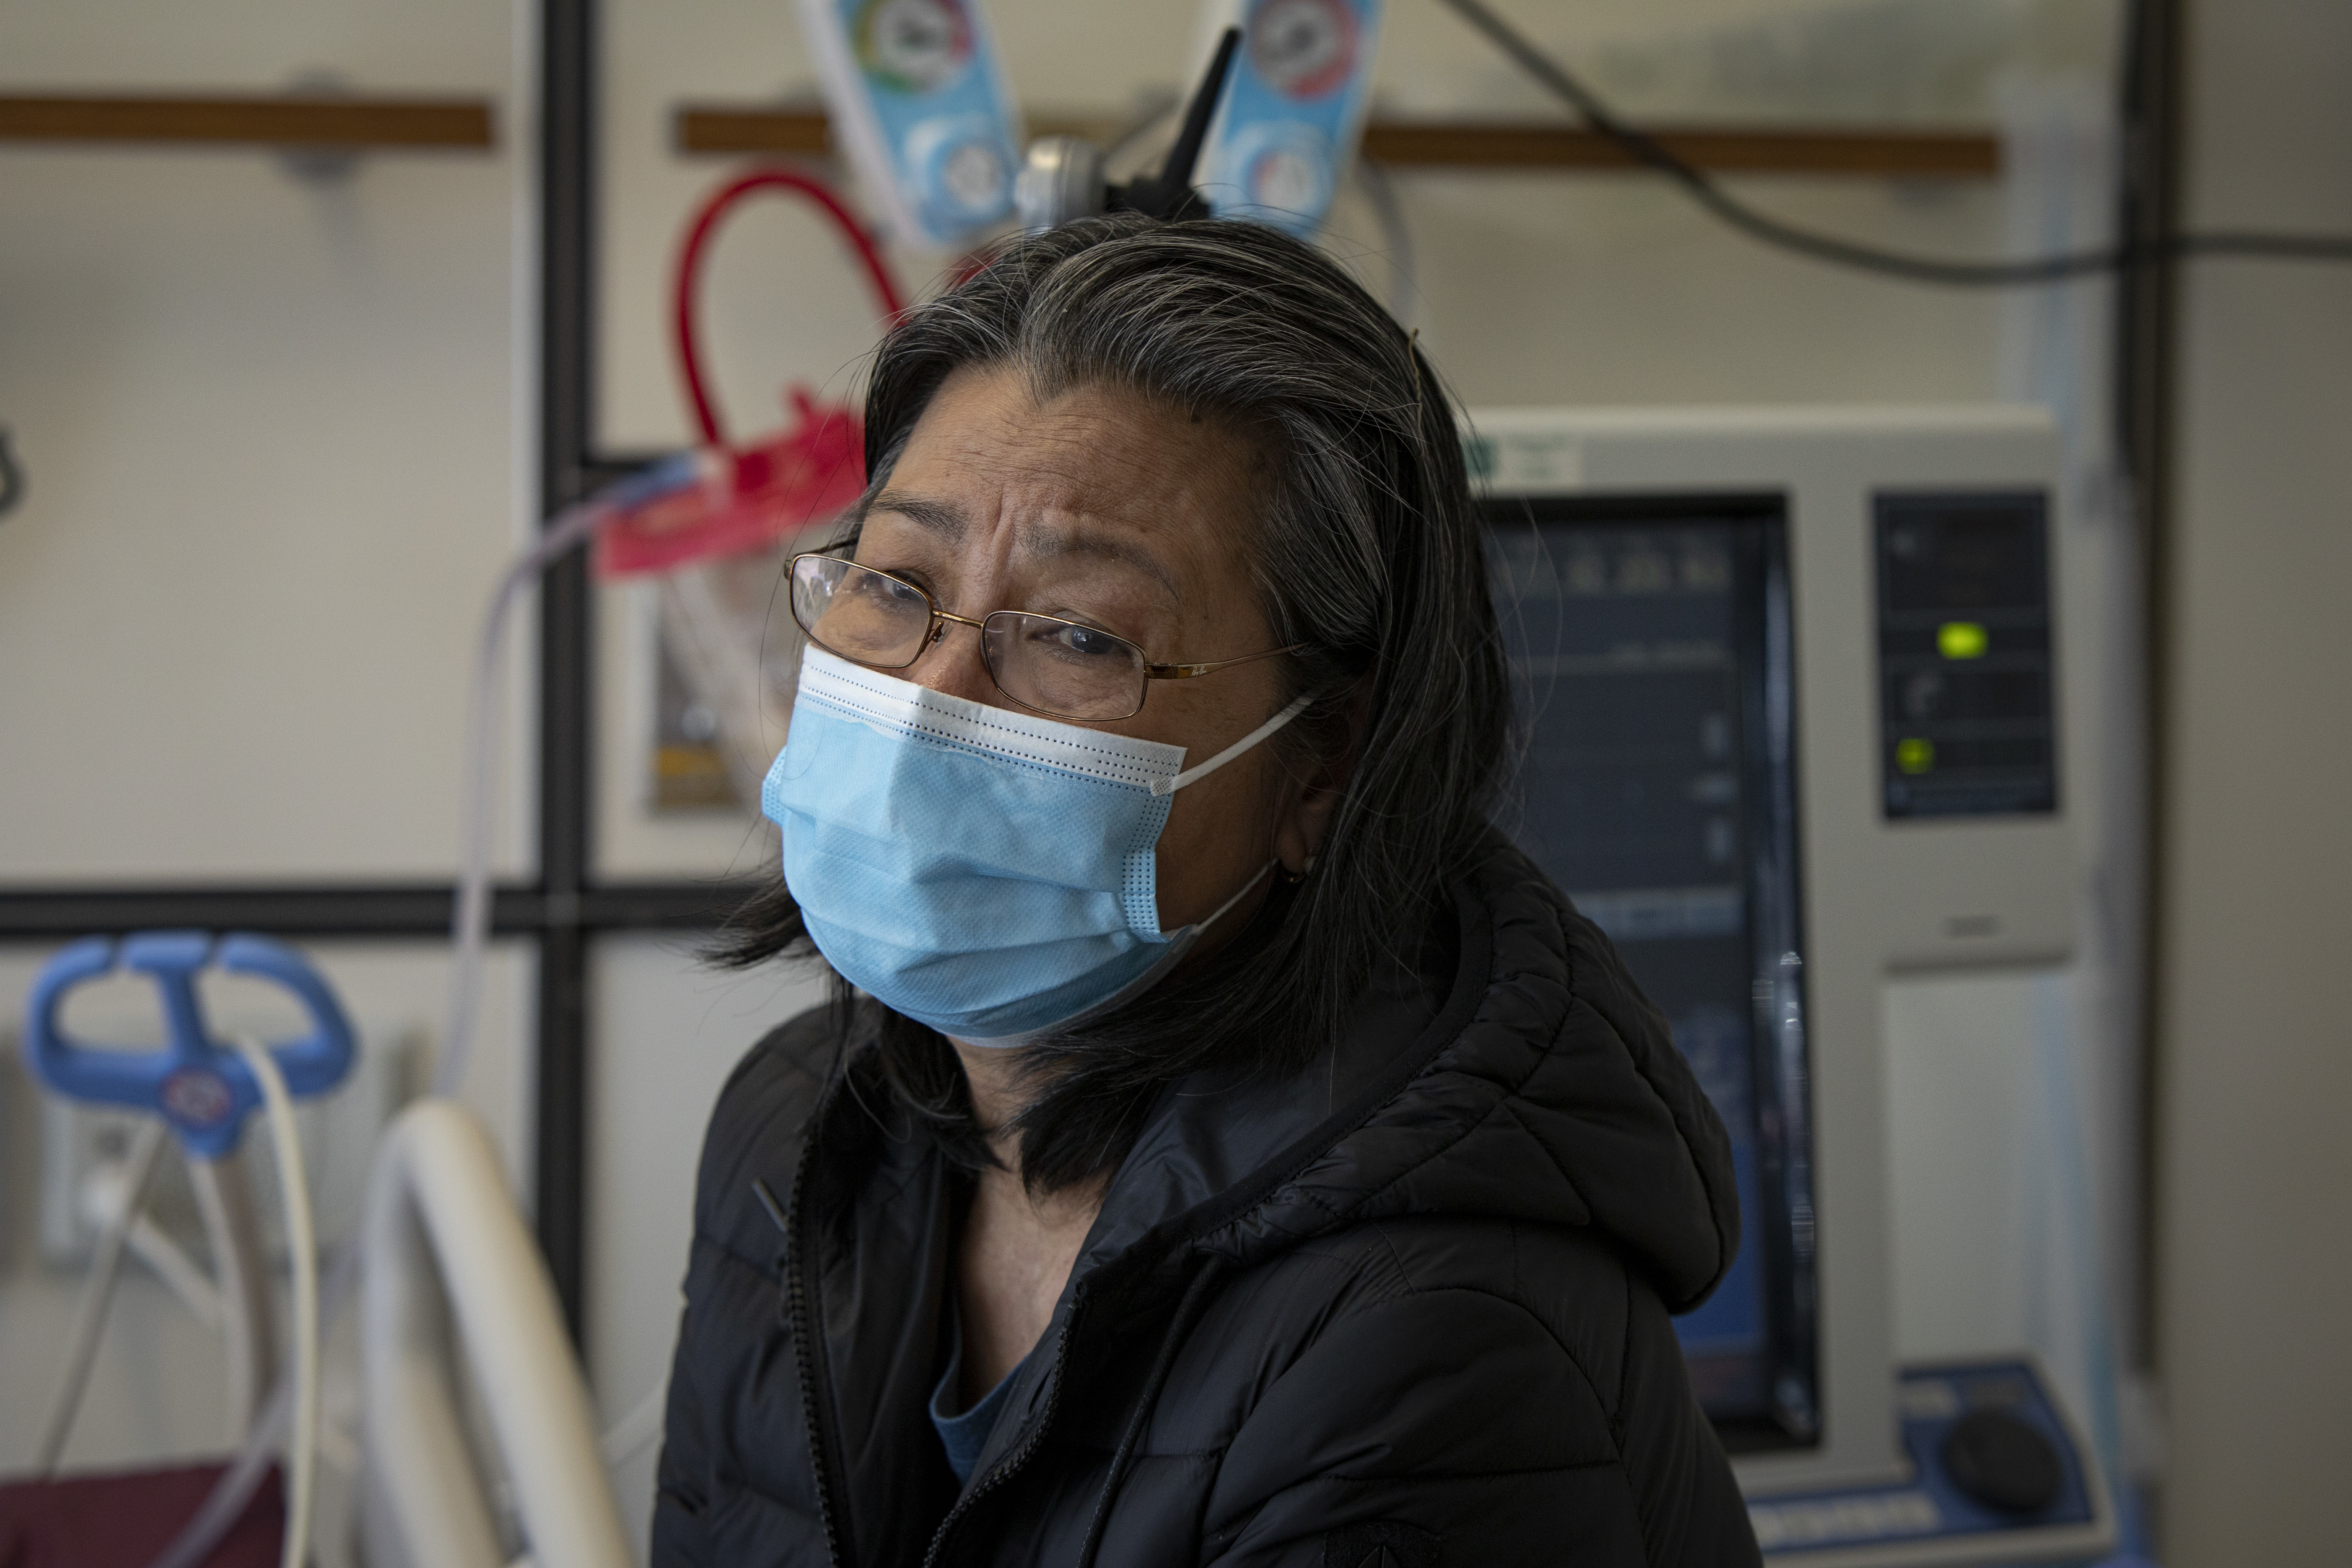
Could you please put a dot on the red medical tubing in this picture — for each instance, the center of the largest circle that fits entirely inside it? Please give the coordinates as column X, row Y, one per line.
column 689, row 268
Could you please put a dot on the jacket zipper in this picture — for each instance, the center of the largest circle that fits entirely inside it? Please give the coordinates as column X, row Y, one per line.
column 808, row 1351
column 1012, row 1462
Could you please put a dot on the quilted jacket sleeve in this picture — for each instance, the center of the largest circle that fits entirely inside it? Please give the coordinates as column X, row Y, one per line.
column 1455, row 1424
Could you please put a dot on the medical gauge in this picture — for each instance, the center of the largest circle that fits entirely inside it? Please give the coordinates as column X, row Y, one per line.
column 1286, row 131
column 1788, row 681
column 1063, row 176
column 926, row 112
column 1268, row 134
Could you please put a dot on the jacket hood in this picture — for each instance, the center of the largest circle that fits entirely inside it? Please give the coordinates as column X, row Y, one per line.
column 1516, row 1072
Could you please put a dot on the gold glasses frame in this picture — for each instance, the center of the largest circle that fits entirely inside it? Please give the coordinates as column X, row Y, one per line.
column 938, row 630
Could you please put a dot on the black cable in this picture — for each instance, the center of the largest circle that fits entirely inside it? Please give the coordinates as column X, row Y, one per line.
column 1832, row 249
column 12, row 477
column 1396, row 235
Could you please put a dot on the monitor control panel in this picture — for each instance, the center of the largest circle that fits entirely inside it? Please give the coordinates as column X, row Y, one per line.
column 1968, row 714
column 1993, row 1473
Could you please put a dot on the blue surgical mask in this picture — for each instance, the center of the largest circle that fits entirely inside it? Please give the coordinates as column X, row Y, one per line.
column 991, row 873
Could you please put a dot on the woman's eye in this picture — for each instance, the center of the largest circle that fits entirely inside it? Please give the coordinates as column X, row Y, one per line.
column 1084, row 642
column 888, row 589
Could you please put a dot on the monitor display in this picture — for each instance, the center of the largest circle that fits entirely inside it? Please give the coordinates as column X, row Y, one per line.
column 1649, row 643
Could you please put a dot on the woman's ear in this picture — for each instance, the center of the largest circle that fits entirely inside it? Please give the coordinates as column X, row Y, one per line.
column 1315, row 793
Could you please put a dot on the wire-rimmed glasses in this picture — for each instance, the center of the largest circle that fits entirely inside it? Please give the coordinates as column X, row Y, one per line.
column 1061, row 668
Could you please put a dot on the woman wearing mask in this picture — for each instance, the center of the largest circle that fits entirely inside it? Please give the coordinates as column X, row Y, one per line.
column 1223, row 1148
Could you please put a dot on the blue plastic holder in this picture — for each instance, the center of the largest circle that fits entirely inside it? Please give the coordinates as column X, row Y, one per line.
column 1287, row 127
column 197, row 1084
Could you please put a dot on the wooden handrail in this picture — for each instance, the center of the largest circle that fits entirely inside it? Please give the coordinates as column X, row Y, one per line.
column 290, row 122
column 1910, row 154
column 1474, row 144
column 712, row 129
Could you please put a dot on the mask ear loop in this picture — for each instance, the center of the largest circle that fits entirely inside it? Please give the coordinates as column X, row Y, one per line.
column 1193, row 776
column 1222, row 910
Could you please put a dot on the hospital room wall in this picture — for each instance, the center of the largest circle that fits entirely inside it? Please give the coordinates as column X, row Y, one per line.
column 280, row 435
column 2255, row 1043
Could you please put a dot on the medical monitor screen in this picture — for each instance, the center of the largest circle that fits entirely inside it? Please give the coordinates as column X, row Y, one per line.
column 1649, row 645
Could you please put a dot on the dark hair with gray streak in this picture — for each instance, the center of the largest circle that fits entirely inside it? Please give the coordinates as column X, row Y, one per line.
column 1369, row 556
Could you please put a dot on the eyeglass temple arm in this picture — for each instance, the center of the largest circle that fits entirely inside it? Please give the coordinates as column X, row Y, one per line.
column 1186, row 671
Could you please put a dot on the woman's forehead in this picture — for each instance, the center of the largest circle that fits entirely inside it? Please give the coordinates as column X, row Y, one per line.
column 1091, row 468
column 1034, row 537
column 1091, row 449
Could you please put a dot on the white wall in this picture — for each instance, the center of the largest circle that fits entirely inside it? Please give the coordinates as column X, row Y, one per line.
column 269, row 428
column 2256, row 1050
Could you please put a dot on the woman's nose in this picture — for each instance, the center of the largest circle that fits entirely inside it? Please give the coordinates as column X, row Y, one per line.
column 952, row 663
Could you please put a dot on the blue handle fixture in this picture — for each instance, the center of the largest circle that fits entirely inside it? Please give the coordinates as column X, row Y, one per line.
column 197, row 1083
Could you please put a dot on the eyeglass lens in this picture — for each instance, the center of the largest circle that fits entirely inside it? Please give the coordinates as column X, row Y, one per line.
column 1041, row 662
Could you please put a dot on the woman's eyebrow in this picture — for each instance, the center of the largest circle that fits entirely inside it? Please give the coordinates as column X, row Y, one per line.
column 951, row 523
column 1048, row 540
column 943, row 518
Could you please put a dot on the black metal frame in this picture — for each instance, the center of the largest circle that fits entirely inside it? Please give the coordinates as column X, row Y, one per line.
column 2152, row 111
column 565, row 907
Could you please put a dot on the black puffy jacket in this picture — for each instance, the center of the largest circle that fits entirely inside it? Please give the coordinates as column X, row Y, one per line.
column 1413, row 1300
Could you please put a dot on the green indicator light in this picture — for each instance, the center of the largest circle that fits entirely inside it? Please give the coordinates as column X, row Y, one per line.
column 1914, row 755
column 1961, row 640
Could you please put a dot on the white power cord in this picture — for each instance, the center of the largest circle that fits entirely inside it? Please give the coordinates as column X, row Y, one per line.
column 97, row 1294
column 302, row 1248
column 179, row 1273
column 106, row 1194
